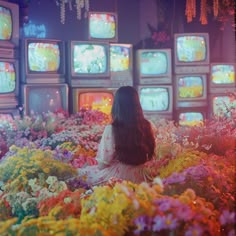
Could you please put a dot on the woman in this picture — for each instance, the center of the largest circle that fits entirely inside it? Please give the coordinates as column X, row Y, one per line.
column 126, row 145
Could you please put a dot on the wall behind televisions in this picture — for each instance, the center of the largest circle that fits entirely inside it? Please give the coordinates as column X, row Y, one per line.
column 133, row 19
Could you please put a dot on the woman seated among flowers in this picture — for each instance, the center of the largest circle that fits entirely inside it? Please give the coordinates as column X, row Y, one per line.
column 126, row 144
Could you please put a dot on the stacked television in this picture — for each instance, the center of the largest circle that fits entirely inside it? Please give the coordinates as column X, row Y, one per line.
column 43, row 86
column 222, row 94
column 153, row 81
column 99, row 66
column 191, row 68
column 9, row 64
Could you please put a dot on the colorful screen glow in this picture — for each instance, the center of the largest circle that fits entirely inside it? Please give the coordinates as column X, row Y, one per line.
column 6, row 24
column 119, row 58
column 191, row 119
column 223, row 74
column 102, row 25
column 191, row 49
column 89, row 59
column 190, row 87
column 154, row 99
column 101, row 101
column 43, row 57
column 7, row 77
column 153, row 63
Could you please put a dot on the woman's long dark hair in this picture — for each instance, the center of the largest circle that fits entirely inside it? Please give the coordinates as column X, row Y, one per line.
column 134, row 139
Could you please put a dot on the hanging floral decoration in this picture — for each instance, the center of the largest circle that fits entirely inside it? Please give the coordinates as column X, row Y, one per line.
column 160, row 36
column 190, row 10
column 223, row 10
column 79, row 5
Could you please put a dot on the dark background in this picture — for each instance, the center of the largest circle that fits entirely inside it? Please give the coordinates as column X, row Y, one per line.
column 42, row 17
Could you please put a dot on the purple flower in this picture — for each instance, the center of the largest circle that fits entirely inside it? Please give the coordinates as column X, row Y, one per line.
column 141, row 224
column 184, row 213
column 170, row 222
column 174, row 178
column 158, row 223
column 227, row 217
column 195, row 230
column 163, row 204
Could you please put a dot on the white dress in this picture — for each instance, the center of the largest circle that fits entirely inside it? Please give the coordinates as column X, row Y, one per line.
column 108, row 167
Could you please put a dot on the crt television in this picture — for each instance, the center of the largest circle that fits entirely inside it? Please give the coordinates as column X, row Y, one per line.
column 43, row 98
column 121, row 64
column 222, row 77
column 89, row 64
column 100, row 99
column 156, row 100
column 9, row 25
column 153, row 66
column 190, row 90
column 9, row 82
column 43, row 60
column 103, row 26
column 191, row 53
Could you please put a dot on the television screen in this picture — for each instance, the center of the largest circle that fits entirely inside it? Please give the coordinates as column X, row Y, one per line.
column 191, row 48
column 153, row 63
column 89, row 58
column 153, row 66
column 44, row 98
column 121, row 64
column 9, row 24
column 154, row 99
column 222, row 104
column 190, row 87
column 9, row 83
column 120, row 58
column 192, row 53
column 43, row 61
column 103, row 25
column 92, row 99
column 43, row 56
column 191, row 90
column 7, row 77
column 6, row 23
column 222, row 74
column 101, row 101
column 191, row 118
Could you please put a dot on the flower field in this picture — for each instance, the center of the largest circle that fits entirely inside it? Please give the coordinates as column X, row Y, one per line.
column 192, row 193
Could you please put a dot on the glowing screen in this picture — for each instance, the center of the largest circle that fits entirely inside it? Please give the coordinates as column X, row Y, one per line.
column 223, row 74
column 191, row 118
column 154, row 99
column 119, row 58
column 191, row 48
column 153, row 63
column 102, row 25
column 43, row 57
column 7, row 77
column 101, row 101
column 89, row 59
column 190, row 87
column 223, row 104
column 5, row 24
column 44, row 99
